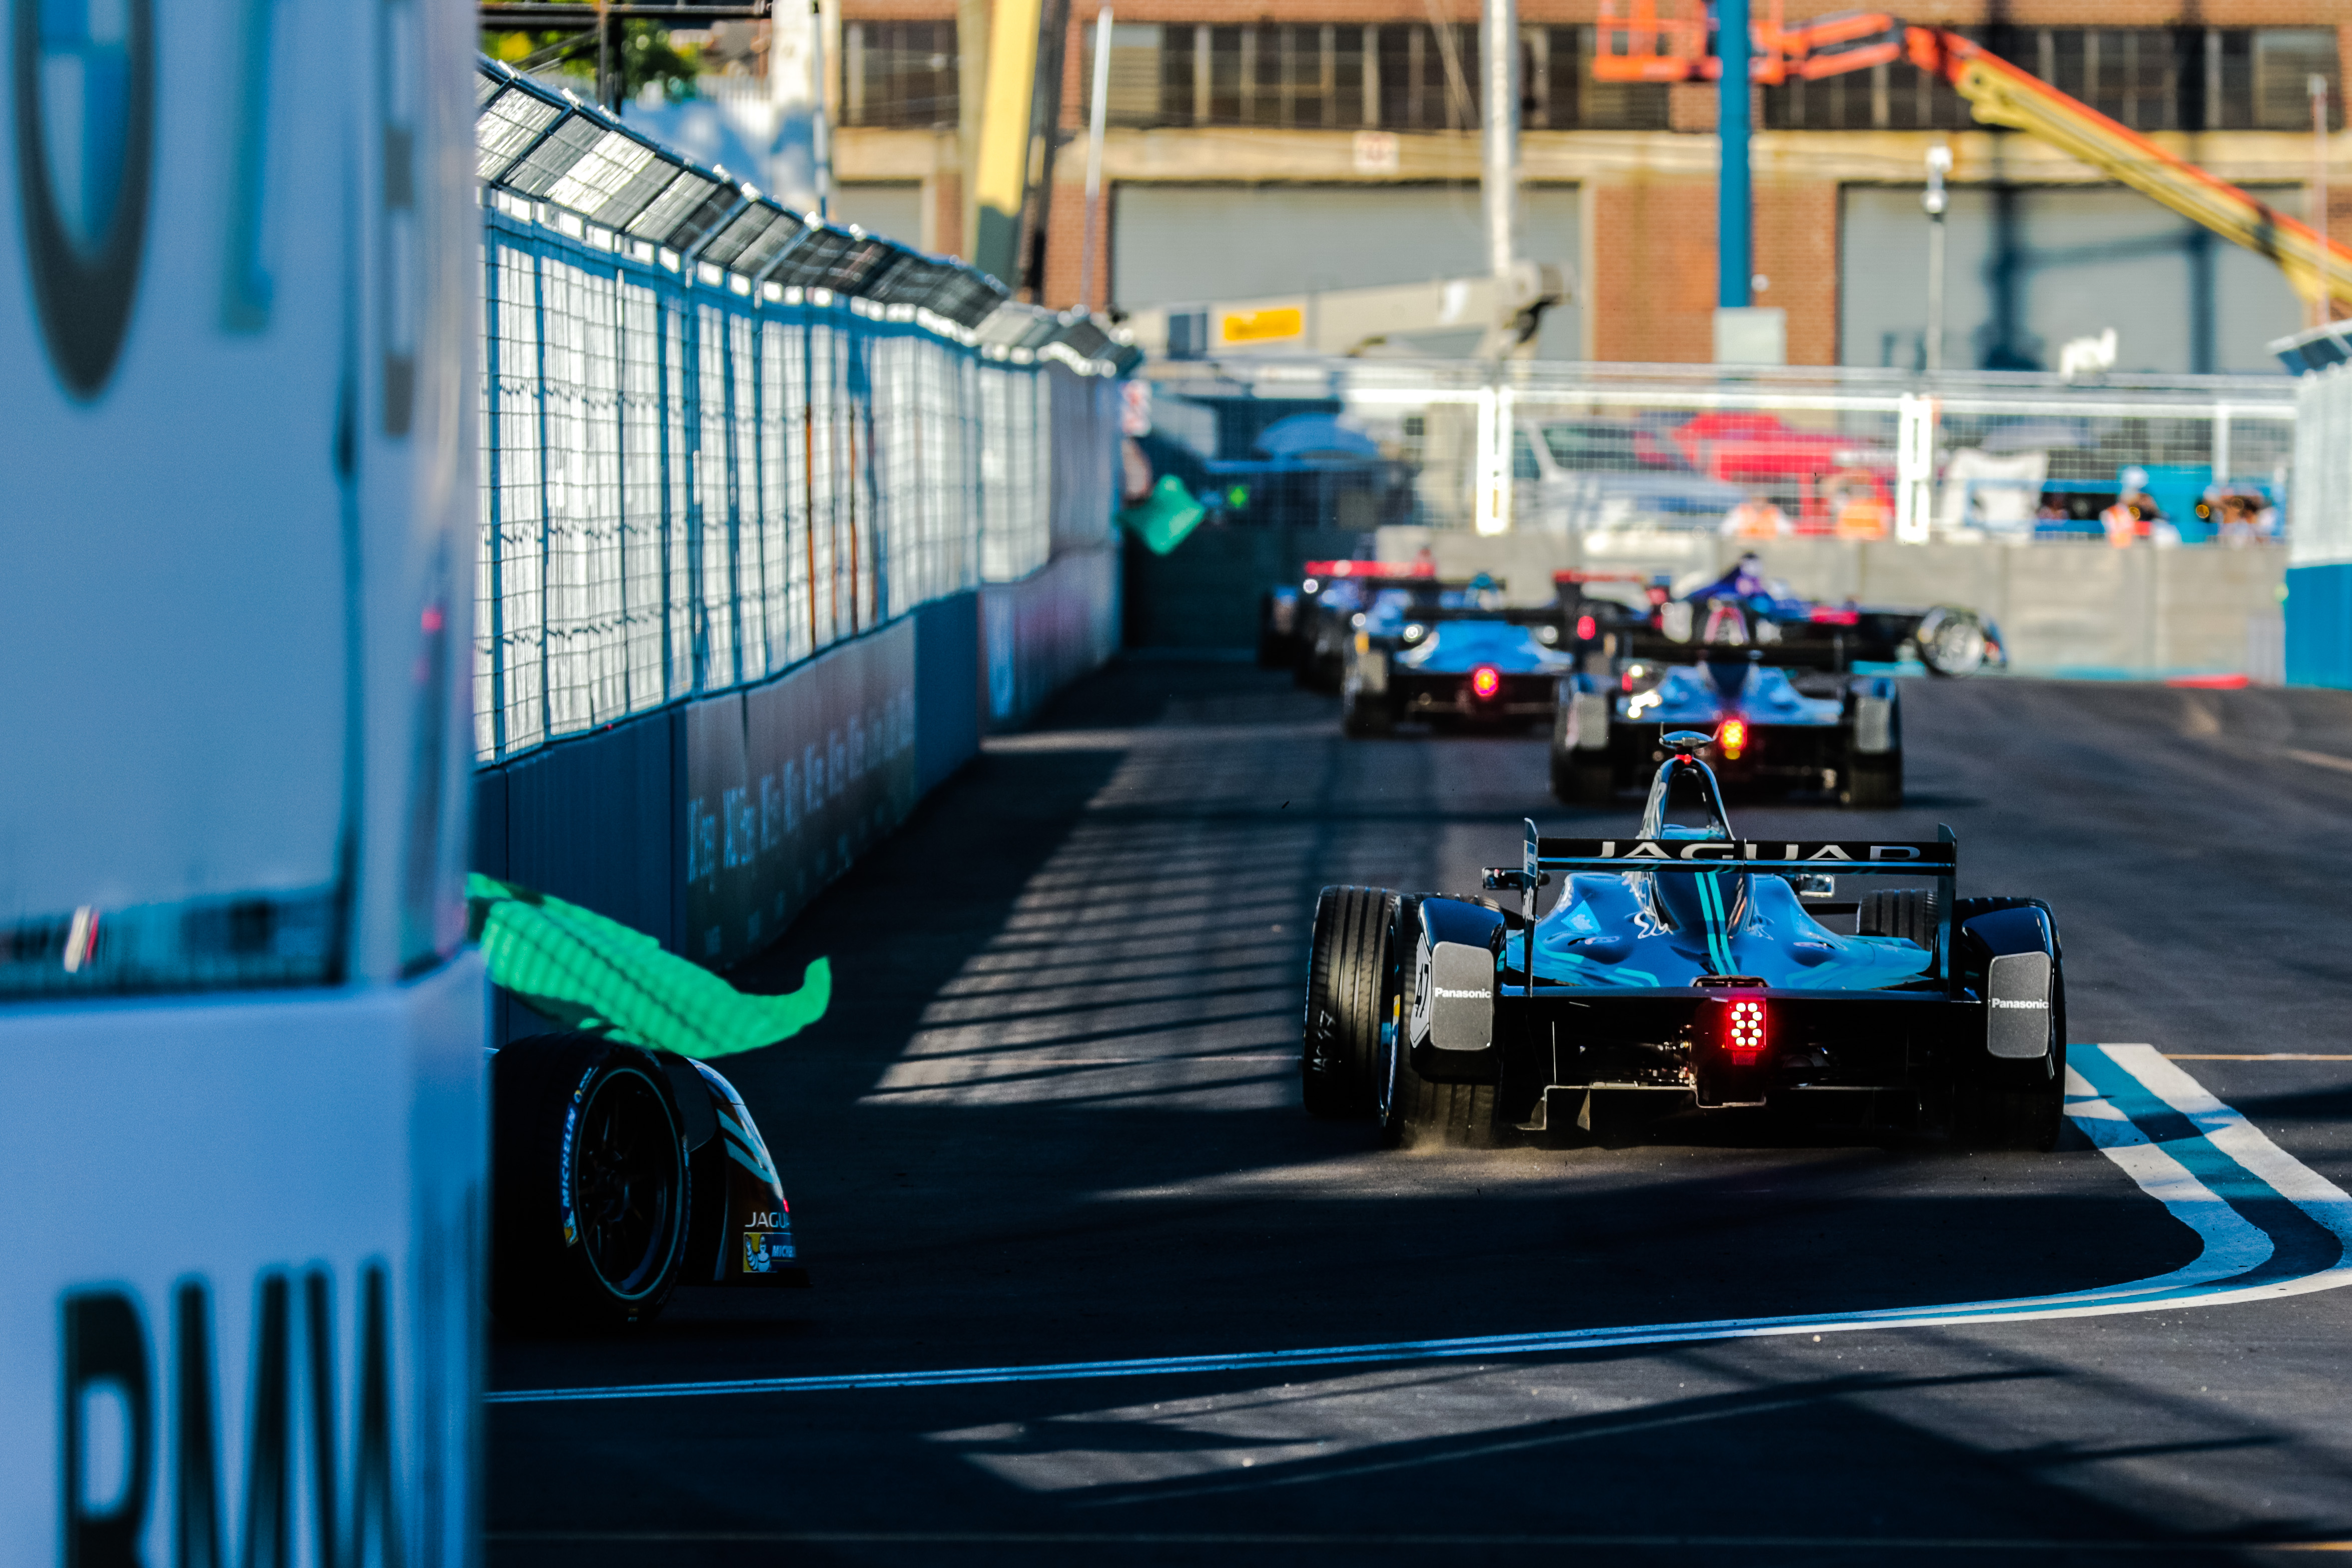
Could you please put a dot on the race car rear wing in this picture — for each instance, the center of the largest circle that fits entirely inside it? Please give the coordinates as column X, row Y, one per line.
column 1912, row 858
column 1401, row 570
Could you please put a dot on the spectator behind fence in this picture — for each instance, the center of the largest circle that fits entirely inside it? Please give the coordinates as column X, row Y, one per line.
column 1756, row 518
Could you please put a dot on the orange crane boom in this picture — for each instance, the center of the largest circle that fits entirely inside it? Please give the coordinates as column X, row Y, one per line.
column 1641, row 45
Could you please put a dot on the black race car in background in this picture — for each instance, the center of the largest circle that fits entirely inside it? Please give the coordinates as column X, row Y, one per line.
column 1680, row 966
column 1648, row 623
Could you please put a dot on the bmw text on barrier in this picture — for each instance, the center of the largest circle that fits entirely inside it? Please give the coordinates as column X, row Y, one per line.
column 1680, row 966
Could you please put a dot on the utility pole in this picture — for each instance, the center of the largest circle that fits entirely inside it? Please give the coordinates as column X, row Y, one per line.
column 821, row 122
column 2323, row 304
column 1499, row 55
column 1939, row 164
column 1733, row 197
column 1094, row 156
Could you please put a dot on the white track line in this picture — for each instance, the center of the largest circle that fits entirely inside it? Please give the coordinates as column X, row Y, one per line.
column 2225, row 1148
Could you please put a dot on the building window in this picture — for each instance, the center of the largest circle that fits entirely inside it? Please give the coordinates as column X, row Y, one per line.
column 2148, row 78
column 899, row 74
column 1135, row 88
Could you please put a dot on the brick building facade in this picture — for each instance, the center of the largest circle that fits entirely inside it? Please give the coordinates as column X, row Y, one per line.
column 1213, row 96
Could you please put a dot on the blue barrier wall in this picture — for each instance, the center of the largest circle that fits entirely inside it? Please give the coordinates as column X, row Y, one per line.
column 776, row 519
column 947, row 688
column 2319, row 625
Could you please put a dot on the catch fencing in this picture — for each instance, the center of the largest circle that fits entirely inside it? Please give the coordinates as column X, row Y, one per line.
column 778, row 518
column 1613, row 450
column 719, row 438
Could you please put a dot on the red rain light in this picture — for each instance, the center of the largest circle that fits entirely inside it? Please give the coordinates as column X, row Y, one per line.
column 1587, row 628
column 1485, row 681
column 1744, row 1036
column 1732, row 737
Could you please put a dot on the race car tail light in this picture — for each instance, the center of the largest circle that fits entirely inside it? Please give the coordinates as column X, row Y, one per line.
column 1587, row 628
column 1743, row 1035
column 1732, row 737
column 1485, row 681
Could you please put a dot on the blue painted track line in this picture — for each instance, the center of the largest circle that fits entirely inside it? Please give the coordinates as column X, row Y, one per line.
column 2271, row 1227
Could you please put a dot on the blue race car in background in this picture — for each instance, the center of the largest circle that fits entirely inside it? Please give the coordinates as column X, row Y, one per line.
column 1467, row 660
column 1775, row 727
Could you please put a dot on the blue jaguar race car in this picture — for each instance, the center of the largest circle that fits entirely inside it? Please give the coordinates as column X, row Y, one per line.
column 1469, row 662
column 1680, row 966
column 1774, row 728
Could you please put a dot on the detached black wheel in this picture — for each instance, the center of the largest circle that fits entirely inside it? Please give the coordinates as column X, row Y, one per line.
column 1413, row 1112
column 589, row 1185
column 1347, row 986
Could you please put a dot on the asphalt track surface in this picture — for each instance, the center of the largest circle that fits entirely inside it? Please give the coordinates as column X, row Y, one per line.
column 1048, row 1144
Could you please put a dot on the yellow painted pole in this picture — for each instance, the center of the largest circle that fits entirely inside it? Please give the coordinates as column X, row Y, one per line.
column 1001, row 184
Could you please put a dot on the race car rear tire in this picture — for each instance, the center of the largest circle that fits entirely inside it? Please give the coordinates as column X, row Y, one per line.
column 1582, row 777
column 1413, row 1112
column 2006, row 1115
column 590, row 1186
column 2027, row 1119
column 1875, row 783
column 1361, row 719
column 1274, row 648
column 1348, row 987
column 1906, row 912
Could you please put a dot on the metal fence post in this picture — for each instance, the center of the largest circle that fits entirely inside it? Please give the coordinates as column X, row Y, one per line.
column 1914, row 465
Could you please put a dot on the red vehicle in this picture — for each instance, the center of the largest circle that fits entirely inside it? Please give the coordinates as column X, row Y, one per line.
column 1836, row 481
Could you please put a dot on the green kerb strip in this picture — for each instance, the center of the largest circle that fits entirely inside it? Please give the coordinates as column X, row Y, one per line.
column 578, row 969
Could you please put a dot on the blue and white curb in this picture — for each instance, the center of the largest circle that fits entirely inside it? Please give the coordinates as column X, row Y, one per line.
column 2271, row 1227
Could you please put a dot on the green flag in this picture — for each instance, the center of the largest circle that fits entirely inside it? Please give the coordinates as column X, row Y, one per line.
column 576, row 967
column 1163, row 519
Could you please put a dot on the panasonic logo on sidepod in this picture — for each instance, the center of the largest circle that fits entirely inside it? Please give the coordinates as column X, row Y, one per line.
column 2031, row 1007
column 1465, row 996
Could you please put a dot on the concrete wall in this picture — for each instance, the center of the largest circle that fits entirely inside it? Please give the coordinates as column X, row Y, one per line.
column 2062, row 607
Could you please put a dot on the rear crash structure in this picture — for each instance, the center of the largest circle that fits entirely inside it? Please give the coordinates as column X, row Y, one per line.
column 1684, row 966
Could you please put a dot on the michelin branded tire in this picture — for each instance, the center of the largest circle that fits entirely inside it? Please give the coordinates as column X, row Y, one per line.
column 1411, row 1110
column 590, row 1190
column 1347, row 966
